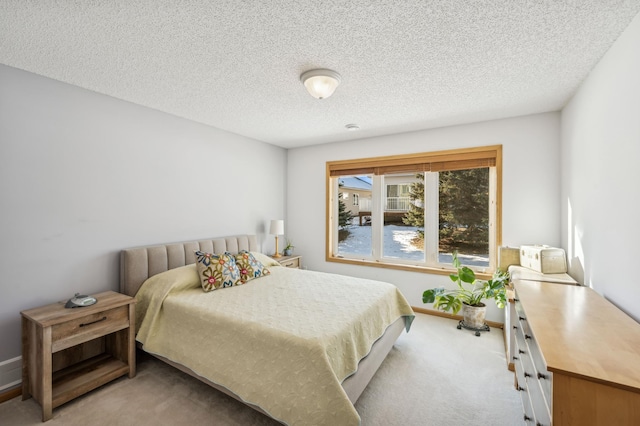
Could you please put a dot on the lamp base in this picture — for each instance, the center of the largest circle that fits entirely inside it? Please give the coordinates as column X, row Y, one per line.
column 277, row 255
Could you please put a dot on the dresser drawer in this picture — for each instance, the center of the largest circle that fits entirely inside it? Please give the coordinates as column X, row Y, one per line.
column 522, row 350
column 533, row 375
column 527, row 342
column 524, row 366
column 543, row 375
column 521, row 319
column 88, row 327
column 522, row 382
column 541, row 410
column 524, row 394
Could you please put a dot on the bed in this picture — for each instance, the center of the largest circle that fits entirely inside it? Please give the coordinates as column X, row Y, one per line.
column 299, row 346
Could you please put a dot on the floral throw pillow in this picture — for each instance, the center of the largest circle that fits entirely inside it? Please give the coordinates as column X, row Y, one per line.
column 217, row 270
column 249, row 266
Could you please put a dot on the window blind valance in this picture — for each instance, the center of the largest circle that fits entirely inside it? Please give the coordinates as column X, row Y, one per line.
column 460, row 159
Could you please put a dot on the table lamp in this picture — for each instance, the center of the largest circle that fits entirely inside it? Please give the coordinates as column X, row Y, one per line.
column 277, row 228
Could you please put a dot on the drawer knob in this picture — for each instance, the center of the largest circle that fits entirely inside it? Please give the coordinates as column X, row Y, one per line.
column 522, row 318
column 542, row 376
column 527, row 374
column 526, row 336
column 515, row 357
column 527, row 418
column 515, row 299
column 93, row 322
column 521, row 389
column 515, row 327
column 520, row 351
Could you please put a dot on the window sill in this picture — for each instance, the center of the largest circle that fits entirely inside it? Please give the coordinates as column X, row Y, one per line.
column 403, row 267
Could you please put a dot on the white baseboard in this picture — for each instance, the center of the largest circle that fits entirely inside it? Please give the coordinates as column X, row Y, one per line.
column 10, row 373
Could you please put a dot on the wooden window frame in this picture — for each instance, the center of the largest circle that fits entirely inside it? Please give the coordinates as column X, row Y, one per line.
column 455, row 159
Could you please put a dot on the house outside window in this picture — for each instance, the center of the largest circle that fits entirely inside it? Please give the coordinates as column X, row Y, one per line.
column 398, row 194
column 422, row 208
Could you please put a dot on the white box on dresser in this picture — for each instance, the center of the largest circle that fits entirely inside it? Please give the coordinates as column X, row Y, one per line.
column 543, row 259
column 578, row 357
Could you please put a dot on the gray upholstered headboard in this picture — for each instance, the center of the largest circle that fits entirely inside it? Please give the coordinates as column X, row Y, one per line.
column 138, row 264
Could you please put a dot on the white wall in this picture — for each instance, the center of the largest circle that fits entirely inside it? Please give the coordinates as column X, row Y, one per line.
column 84, row 175
column 601, row 175
column 531, row 192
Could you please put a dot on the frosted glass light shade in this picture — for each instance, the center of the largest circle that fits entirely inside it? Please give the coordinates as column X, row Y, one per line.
column 320, row 83
column 277, row 227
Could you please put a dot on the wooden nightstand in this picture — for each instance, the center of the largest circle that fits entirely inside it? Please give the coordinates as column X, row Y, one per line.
column 67, row 352
column 289, row 261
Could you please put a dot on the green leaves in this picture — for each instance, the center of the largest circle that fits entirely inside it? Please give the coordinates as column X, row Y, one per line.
column 466, row 275
column 448, row 302
column 456, row 262
column 429, row 296
column 470, row 291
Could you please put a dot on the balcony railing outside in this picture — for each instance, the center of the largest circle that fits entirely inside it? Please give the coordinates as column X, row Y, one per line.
column 397, row 204
column 391, row 204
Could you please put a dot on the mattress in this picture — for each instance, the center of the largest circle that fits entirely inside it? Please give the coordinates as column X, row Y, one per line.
column 284, row 342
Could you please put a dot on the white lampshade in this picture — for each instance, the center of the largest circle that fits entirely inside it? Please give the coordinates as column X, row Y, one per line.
column 320, row 83
column 277, row 227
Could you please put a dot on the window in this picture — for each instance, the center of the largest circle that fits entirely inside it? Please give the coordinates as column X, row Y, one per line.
column 420, row 209
column 356, row 199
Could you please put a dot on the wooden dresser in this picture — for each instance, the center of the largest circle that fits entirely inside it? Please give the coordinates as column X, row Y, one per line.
column 517, row 272
column 577, row 357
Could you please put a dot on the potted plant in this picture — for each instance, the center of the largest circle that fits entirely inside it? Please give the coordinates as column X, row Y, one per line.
column 469, row 295
column 288, row 248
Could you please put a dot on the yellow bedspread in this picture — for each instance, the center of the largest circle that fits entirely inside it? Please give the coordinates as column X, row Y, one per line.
column 284, row 342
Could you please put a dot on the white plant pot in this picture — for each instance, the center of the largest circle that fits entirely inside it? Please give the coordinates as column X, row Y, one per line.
column 474, row 316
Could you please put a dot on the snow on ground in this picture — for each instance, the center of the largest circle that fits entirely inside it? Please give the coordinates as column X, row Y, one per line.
column 397, row 244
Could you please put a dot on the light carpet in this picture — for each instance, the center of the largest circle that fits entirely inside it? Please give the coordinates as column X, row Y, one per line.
column 434, row 375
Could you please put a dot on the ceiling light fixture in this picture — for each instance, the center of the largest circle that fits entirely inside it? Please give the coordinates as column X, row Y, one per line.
column 320, row 83
column 352, row 127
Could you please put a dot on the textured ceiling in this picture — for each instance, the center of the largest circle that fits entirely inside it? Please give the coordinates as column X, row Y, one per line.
column 235, row 65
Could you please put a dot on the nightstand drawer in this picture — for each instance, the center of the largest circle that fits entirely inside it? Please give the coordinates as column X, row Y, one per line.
column 291, row 263
column 80, row 330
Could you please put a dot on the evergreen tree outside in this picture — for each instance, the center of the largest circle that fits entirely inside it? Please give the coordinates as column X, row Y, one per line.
column 415, row 215
column 344, row 219
column 463, row 209
column 344, row 215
